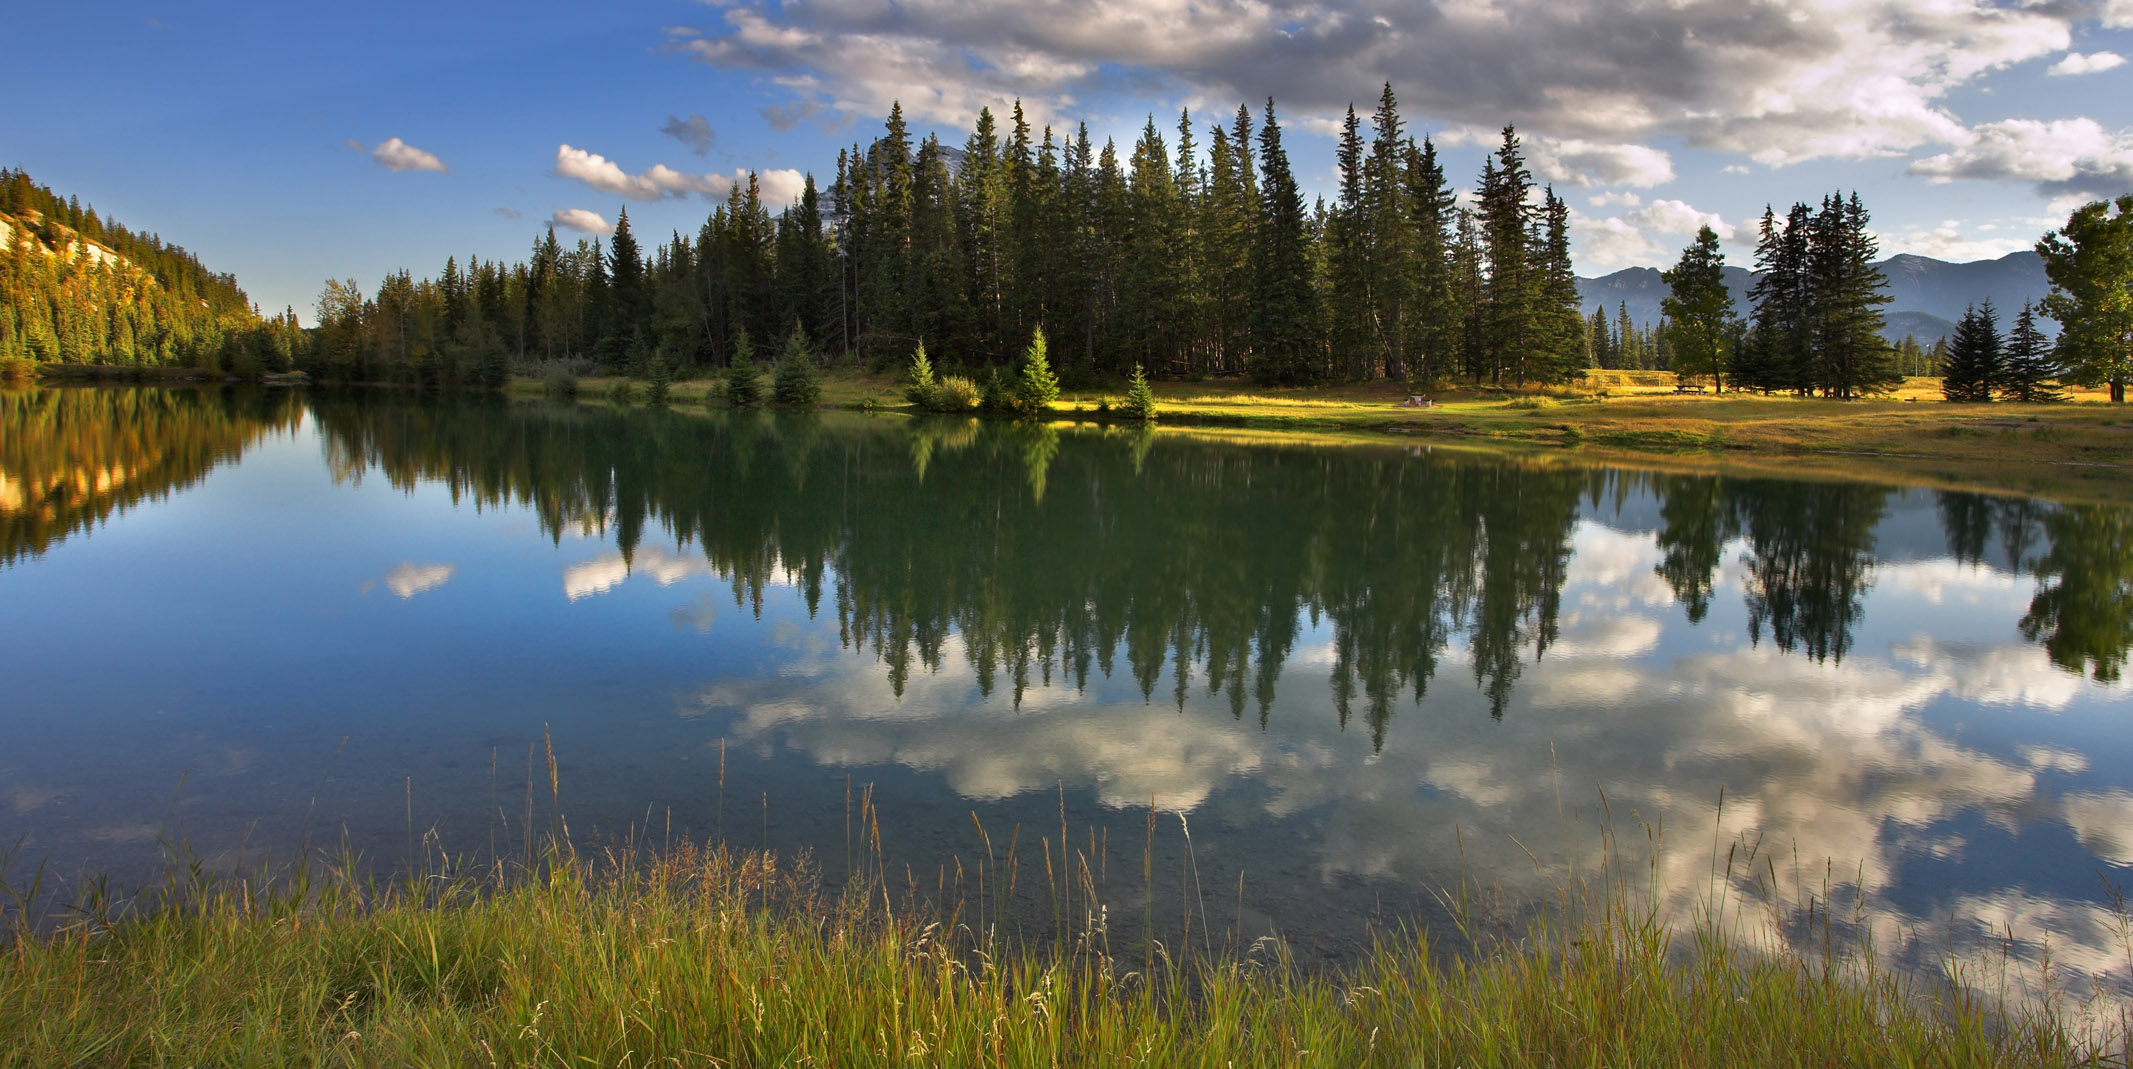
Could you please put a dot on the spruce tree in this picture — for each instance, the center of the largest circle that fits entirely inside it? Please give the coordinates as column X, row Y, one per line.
column 1699, row 311
column 1035, row 388
column 1974, row 364
column 1140, row 397
column 797, row 382
column 918, row 378
column 1286, row 336
column 2029, row 367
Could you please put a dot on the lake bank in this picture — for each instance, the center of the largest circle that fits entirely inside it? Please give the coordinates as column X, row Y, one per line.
column 704, row 957
column 2076, row 451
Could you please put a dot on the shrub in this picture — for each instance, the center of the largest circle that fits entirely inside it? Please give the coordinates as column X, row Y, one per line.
column 622, row 392
column 918, row 379
column 1140, row 398
column 953, row 394
column 659, row 380
column 996, row 393
column 17, row 369
column 561, row 383
column 797, row 382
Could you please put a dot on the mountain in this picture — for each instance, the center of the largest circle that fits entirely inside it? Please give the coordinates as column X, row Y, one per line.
column 1928, row 295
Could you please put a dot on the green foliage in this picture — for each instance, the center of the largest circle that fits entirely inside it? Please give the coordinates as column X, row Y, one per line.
column 2029, row 368
column 1817, row 325
column 744, row 383
column 1036, row 387
column 996, row 392
column 918, row 378
column 659, row 379
column 2090, row 264
column 797, row 382
column 1140, row 397
column 1975, row 368
column 953, row 393
column 622, row 392
column 1699, row 310
column 561, row 384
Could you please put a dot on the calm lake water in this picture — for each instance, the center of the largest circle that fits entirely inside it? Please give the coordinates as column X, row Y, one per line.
column 1308, row 688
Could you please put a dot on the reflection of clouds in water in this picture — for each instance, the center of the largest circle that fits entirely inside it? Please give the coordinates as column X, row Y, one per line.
column 839, row 711
column 606, row 572
column 1942, row 581
column 698, row 615
column 1616, row 566
column 408, row 579
column 2104, row 823
column 1815, row 762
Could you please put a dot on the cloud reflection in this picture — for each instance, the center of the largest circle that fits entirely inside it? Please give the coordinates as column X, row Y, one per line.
column 408, row 579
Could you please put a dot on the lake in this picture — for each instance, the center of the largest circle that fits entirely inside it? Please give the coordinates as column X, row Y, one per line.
column 1254, row 687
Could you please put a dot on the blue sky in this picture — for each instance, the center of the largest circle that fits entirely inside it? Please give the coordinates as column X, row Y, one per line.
column 292, row 143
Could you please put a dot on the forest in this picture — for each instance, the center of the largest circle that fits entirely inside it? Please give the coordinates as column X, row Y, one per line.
column 1182, row 261
column 76, row 288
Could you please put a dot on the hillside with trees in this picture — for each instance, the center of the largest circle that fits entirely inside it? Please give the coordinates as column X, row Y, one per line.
column 76, row 288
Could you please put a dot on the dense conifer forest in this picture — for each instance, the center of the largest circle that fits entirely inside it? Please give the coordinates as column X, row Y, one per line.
column 76, row 288
column 1182, row 260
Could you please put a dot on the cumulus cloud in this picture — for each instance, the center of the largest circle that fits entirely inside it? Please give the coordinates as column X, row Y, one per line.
column 583, row 221
column 1948, row 242
column 2064, row 158
column 1614, row 200
column 777, row 187
column 1782, row 81
column 694, row 131
column 394, row 154
column 1584, row 163
column 2077, row 63
column 1612, row 243
column 1677, row 217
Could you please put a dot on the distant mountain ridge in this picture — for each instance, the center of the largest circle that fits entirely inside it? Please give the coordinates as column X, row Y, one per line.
column 1928, row 295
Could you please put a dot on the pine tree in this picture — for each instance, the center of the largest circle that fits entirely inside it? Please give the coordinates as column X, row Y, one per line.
column 744, row 383
column 1699, row 311
column 1140, row 397
column 797, row 382
column 1974, row 361
column 1286, row 334
column 1035, row 387
column 918, row 378
column 2030, row 369
column 1849, row 359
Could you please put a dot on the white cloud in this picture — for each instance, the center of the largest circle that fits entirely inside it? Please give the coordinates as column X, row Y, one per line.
column 408, row 579
column 606, row 572
column 1736, row 168
column 2075, row 158
column 1948, row 242
column 1782, row 81
column 660, row 181
column 1677, row 217
column 394, row 154
column 1614, row 200
column 777, row 187
column 1611, row 243
column 2077, row 63
column 1584, row 163
column 585, row 222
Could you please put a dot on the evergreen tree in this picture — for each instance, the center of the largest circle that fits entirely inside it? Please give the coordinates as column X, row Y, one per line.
column 1140, row 397
column 1850, row 359
column 1974, row 367
column 1035, row 387
column 1699, row 311
column 797, row 382
column 2030, row 369
column 1286, row 334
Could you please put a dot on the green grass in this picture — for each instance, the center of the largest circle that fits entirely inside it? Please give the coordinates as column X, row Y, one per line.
column 696, row 956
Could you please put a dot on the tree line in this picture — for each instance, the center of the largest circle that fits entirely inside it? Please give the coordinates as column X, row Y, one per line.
column 1162, row 256
column 76, row 288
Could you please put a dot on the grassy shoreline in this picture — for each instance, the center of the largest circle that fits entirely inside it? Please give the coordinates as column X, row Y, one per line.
column 705, row 957
column 2076, row 451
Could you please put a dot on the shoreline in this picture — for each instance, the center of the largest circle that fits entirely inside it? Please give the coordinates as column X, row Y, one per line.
column 695, row 955
column 2079, row 451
